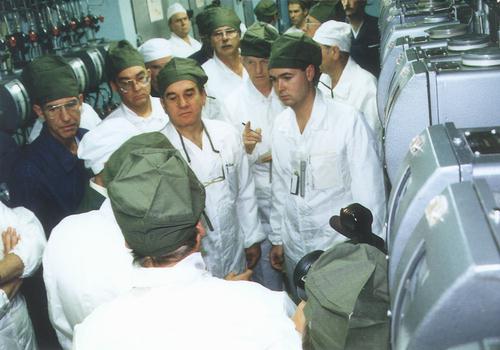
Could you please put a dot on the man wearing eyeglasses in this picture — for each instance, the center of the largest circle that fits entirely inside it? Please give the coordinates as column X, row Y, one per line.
column 225, row 69
column 324, row 157
column 48, row 178
column 129, row 77
column 322, row 12
column 213, row 150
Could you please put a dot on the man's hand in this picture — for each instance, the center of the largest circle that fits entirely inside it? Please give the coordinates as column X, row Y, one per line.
column 9, row 239
column 277, row 257
column 245, row 276
column 253, row 255
column 299, row 318
column 12, row 287
column 251, row 137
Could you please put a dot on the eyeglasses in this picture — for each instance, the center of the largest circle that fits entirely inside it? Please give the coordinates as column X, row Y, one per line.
column 141, row 80
column 222, row 175
column 54, row 111
column 229, row 33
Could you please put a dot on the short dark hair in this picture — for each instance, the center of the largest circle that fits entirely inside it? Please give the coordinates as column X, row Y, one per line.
column 301, row 3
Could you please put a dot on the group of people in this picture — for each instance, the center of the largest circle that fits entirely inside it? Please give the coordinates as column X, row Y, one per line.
column 213, row 170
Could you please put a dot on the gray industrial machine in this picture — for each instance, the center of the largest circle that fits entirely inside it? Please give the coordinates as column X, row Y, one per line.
column 447, row 291
column 439, row 156
column 429, row 93
column 15, row 107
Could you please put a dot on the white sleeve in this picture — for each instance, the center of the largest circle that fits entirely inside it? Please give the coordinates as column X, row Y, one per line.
column 32, row 238
column 367, row 176
column 279, row 194
column 4, row 303
column 90, row 119
column 246, row 205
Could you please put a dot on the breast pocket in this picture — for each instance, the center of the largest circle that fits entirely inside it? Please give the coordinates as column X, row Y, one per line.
column 326, row 171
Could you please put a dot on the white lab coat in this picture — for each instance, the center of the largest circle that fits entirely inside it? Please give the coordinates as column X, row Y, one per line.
column 358, row 88
column 215, row 109
column 154, row 122
column 180, row 48
column 222, row 81
column 184, row 307
column 89, row 119
column 16, row 330
column 86, row 263
column 341, row 167
column 230, row 204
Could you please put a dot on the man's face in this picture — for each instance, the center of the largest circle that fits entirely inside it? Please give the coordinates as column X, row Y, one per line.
column 155, row 68
column 183, row 102
column 327, row 58
column 291, row 85
column 180, row 24
column 225, row 41
column 258, row 71
column 312, row 25
column 62, row 116
column 354, row 7
column 296, row 14
column 133, row 85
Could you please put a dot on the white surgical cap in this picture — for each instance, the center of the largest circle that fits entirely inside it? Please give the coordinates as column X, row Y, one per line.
column 174, row 9
column 154, row 49
column 333, row 33
column 98, row 144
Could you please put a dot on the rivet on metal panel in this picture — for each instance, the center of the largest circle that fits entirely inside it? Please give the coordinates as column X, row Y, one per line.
column 494, row 215
column 416, row 145
column 457, row 141
column 436, row 210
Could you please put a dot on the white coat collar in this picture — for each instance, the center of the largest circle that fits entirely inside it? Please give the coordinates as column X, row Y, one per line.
column 188, row 269
column 226, row 69
column 179, row 39
column 343, row 88
column 157, row 112
column 98, row 188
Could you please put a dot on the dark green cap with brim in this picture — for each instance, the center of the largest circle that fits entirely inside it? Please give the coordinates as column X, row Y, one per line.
column 258, row 39
column 202, row 20
column 294, row 50
column 156, row 198
column 180, row 69
column 265, row 10
column 325, row 11
column 219, row 17
column 49, row 78
column 122, row 55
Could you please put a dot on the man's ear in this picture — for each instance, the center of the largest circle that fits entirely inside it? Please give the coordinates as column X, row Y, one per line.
column 310, row 72
column 38, row 111
column 147, row 262
column 80, row 97
column 113, row 85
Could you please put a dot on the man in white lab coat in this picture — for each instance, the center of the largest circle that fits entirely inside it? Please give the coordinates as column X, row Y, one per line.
column 129, row 77
column 253, row 107
column 157, row 52
column 343, row 79
column 175, row 302
column 183, row 44
column 225, row 70
column 324, row 158
column 21, row 249
column 213, row 150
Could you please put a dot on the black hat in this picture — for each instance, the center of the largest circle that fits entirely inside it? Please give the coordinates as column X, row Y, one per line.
column 355, row 222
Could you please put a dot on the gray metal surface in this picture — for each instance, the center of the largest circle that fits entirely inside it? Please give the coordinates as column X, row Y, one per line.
column 15, row 107
column 448, row 293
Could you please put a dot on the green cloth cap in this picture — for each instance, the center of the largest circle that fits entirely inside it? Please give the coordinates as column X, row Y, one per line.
column 202, row 20
column 258, row 39
column 156, row 198
column 294, row 50
column 219, row 17
column 324, row 11
column 265, row 10
column 122, row 55
column 49, row 78
column 180, row 69
column 348, row 299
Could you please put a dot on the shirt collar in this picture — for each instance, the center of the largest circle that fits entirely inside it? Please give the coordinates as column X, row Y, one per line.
column 226, row 69
column 98, row 188
column 63, row 155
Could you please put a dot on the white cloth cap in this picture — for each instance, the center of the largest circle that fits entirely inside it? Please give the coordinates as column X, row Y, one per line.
column 98, row 144
column 333, row 33
column 173, row 9
column 154, row 49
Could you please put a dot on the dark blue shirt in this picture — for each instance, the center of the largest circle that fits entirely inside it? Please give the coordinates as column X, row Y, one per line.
column 48, row 179
column 365, row 47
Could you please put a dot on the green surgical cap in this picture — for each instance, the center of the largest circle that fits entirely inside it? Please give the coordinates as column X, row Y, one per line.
column 325, row 11
column 49, row 78
column 265, row 10
column 202, row 20
column 122, row 55
column 219, row 17
column 180, row 69
column 156, row 198
column 294, row 50
column 258, row 39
